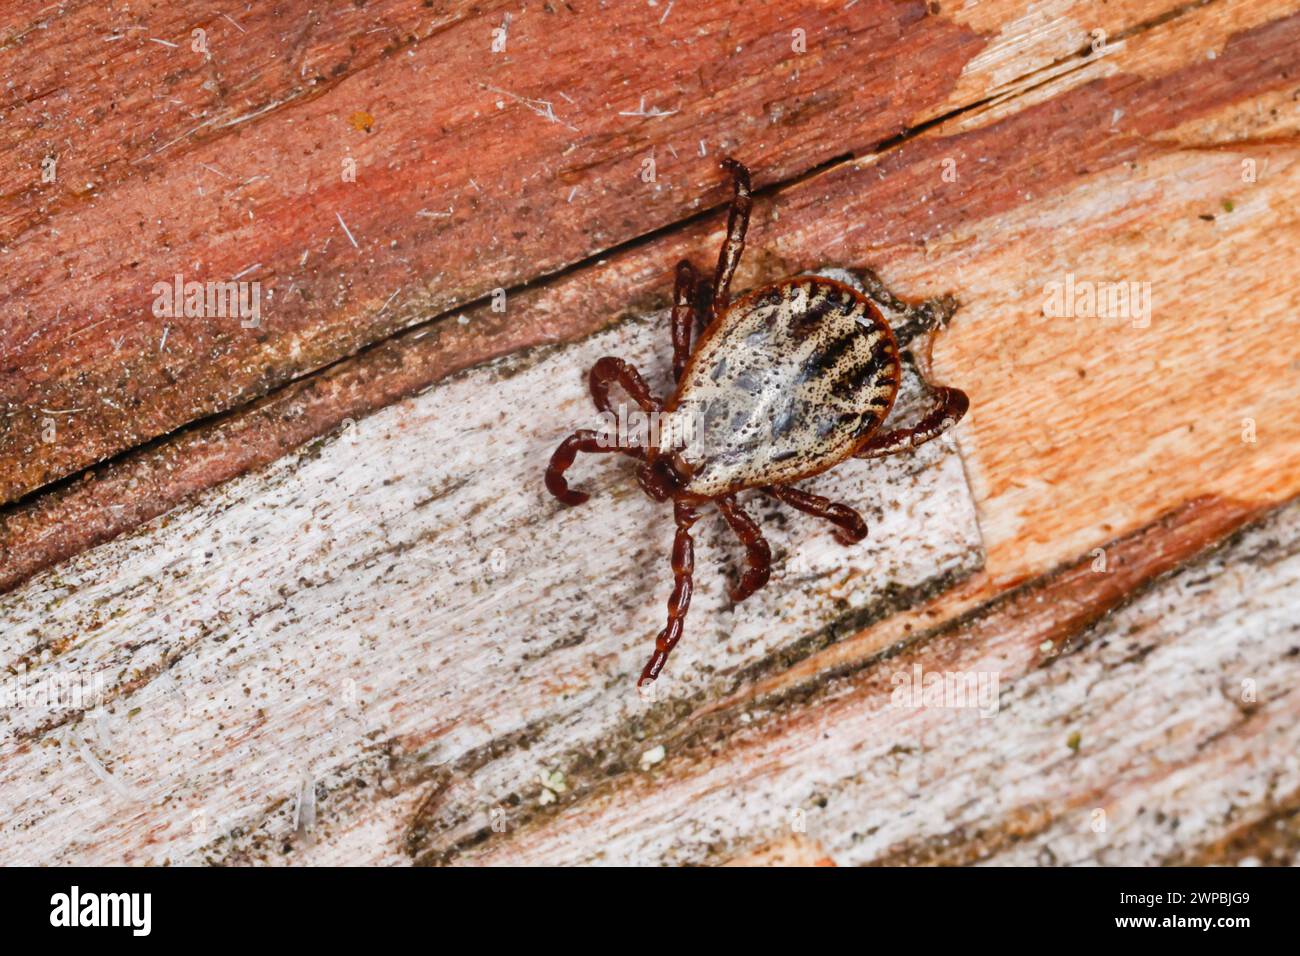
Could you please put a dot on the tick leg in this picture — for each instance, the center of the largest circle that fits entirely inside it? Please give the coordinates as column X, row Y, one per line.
column 680, row 599
column 610, row 370
column 684, row 294
column 914, row 320
column 703, row 304
column 737, row 223
column 951, row 406
column 758, row 556
column 584, row 440
column 850, row 528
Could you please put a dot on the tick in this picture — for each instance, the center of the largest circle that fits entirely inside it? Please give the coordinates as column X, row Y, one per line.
column 785, row 382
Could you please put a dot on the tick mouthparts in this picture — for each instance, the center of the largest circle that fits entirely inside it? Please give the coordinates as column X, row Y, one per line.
column 663, row 476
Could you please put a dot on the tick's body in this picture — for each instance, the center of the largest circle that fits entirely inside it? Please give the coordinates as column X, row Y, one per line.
column 786, row 382
column 784, row 385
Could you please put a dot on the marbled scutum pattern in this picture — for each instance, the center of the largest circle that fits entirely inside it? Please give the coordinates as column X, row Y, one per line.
column 789, row 381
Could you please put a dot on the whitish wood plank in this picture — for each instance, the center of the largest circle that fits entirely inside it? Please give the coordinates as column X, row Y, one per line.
column 401, row 610
column 1168, row 725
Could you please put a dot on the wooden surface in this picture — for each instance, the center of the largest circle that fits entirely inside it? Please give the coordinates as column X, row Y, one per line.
column 340, row 621
column 487, row 592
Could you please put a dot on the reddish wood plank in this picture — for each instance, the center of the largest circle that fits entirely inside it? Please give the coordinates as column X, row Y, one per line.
column 143, row 94
column 892, row 208
column 475, row 171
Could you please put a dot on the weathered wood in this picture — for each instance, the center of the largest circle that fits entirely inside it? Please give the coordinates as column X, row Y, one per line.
column 1126, row 165
column 475, row 170
column 489, row 586
column 1167, row 724
column 984, row 234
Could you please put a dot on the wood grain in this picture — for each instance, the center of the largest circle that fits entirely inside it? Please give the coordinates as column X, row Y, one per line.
column 475, row 170
column 1171, row 722
column 895, row 211
column 212, row 701
column 1142, row 440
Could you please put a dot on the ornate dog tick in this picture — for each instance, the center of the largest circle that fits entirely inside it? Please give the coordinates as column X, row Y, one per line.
column 787, row 381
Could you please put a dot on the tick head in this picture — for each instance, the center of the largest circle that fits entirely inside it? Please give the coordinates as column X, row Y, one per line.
column 664, row 475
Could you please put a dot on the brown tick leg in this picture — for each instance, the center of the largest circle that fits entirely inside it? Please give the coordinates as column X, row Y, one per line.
column 951, row 406
column 684, row 292
column 610, row 370
column 585, row 440
column 680, row 600
column 758, row 555
column 850, row 528
column 703, row 304
column 737, row 223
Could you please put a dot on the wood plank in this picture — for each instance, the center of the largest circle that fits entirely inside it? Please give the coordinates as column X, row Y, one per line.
column 897, row 212
column 215, row 703
column 1115, row 740
column 475, row 170
column 1060, row 463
